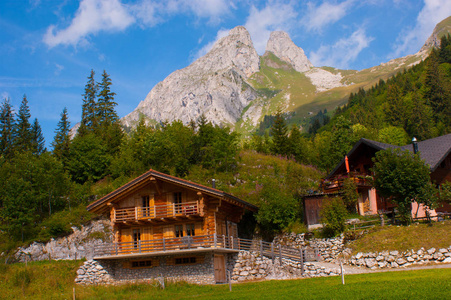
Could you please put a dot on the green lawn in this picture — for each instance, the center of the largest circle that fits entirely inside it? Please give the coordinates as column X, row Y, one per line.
column 55, row 280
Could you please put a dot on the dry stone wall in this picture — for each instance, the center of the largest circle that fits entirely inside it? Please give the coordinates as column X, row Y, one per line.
column 395, row 259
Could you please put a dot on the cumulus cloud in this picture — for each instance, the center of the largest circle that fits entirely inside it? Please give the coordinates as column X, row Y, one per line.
column 274, row 16
column 91, row 17
column 343, row 52
column 411, row 39
column 317, row 17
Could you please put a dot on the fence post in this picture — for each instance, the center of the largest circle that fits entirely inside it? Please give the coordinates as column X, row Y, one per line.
column 214, row 240
column 280, row 254
column 164, row 245
column 272, row 252
column 116, row 248
column 139, row 246
column 223, row 241
column 302, row 261
column 261, row 248
column 316, row 254
column 231, row 243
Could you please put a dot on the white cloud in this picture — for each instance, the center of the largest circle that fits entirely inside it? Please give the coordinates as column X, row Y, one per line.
column 343, row 52
column 318, row 17
column 274, row 16
column 91, row 17
column 58, row 69
column 221, row 33
column 411, row 39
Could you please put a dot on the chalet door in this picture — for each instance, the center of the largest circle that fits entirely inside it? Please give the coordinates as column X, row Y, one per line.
column 219, row 265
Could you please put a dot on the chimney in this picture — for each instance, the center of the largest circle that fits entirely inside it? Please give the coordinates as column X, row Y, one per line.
column 213, row 183
column 415, row 145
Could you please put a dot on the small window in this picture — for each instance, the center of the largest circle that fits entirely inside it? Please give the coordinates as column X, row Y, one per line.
column 145, row 201
column 185, row 260
column 190, row 230
column 136, row 237
column 178, row 230
column 141, row 264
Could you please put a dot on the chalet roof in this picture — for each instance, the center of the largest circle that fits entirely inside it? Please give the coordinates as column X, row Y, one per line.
column 432, row 151
column 101, row 204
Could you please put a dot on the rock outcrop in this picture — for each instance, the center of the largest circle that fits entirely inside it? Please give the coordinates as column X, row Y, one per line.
column 440, row 29
column 283, row 47
column 80, row 244
column 213, row 85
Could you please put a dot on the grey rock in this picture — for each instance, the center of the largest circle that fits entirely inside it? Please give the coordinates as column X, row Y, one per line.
column 431, row 251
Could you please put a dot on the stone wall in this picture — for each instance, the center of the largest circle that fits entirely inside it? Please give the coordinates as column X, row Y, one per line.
column 328, row 249
column 395, row 259
column 252, row 266
column 115, row 271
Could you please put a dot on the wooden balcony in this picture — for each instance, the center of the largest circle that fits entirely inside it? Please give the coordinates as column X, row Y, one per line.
column 150, row 213
column 336, row 183
column 202, row 243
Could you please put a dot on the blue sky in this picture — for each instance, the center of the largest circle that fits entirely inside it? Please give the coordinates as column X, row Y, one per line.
column 48, row 47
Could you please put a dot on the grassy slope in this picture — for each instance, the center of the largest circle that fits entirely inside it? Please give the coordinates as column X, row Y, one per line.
column 403, row 238
column 55, row 280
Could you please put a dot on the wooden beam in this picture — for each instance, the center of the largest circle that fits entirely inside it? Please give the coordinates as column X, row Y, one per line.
column 156, row 184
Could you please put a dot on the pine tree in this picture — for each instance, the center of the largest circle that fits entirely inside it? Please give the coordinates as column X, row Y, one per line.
column 37, row 139
column 280, row 144
column 61, row 142
column 23, row 128
column 7, row 132
column 89, row 122
column 106, row 113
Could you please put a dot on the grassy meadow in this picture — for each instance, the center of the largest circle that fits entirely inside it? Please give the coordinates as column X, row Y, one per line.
column 55, row 280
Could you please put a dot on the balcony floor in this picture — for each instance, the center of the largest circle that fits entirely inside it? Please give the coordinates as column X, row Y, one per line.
column 168, row 252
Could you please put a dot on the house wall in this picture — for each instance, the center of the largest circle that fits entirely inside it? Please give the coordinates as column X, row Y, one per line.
column 163, row 266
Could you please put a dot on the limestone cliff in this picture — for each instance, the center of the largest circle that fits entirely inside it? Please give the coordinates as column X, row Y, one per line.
column 213, row 85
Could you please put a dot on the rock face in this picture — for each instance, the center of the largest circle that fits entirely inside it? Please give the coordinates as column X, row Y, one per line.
column 283, row 47
column 214, row 85
column 440, row 29
column 80, row 244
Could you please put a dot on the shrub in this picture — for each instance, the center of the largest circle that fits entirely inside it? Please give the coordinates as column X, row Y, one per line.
column 333, row 216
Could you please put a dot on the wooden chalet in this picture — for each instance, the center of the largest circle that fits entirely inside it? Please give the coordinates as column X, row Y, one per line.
column 357, row 165
column 161, row 221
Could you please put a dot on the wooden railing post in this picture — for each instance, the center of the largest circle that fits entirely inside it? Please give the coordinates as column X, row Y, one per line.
column 139, row 246
column 302, row 261
column 164, row 245
column 214, row 240
column 231, row 243
column 280, row 254
column 261, row 248
column 136, row 213
column 223, row 241
column 272, row 252
column 116, row 248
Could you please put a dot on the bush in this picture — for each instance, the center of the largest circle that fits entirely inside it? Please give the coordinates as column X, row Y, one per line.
column 333, row 216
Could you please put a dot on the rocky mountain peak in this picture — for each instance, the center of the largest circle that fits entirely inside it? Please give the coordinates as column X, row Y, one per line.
column 214, row 85
column 442, row 28
column 283, row 47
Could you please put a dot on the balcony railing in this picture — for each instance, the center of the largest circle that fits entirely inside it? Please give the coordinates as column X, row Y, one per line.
column 337, row 183
column 156, row 211
column 212, row 241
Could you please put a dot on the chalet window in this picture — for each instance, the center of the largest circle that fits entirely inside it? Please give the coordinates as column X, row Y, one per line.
column 136, row 237
column 190, row 230
column 178, row 202
column 178, row 230
column 141, row 264
column 185, row 260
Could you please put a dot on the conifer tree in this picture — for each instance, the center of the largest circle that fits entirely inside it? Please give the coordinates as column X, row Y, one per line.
column 37, row 139
column 23, row 127
column 61, row 142
column 89, row 122
column 7, row 125
column 279, row 134
column 106, row 113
